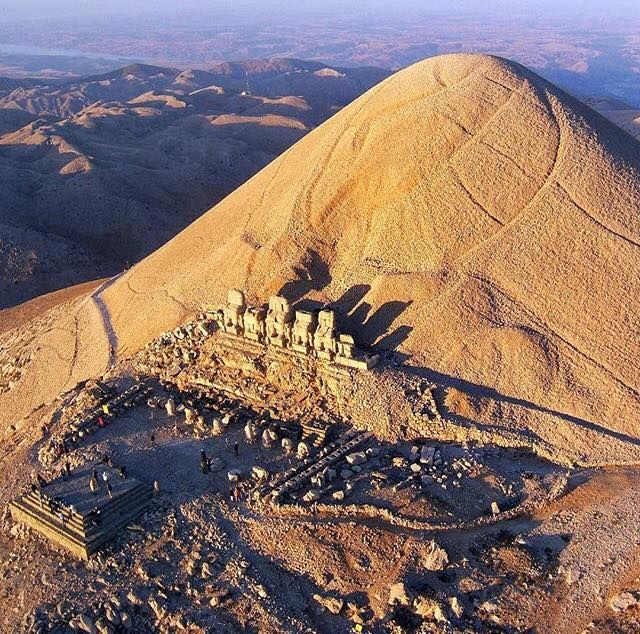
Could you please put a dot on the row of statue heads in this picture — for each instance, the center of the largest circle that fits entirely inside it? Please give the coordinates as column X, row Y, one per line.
column 279, row 325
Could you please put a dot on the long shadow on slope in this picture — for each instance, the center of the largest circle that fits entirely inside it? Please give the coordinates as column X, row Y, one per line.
column 482, row 391
column 353, row 314
column 372, row 327
column 313, row 275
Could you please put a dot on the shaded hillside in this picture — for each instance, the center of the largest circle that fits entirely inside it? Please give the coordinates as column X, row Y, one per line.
column 465, row 213
column 498, row 214
column 98, row 172
column 622, row 114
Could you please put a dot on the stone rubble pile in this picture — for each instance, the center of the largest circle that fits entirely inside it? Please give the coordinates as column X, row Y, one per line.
column 173, row 351
column 426, row 467
column 423, row 402
column 87, row 423
column 11, row 371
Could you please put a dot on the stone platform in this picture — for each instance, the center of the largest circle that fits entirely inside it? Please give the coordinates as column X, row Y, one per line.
column 69, row 514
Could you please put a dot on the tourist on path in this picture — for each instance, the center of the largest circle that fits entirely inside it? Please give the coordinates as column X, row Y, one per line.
column 236, row 448
column 109, row 490
column 204, row 462
column 93, row 485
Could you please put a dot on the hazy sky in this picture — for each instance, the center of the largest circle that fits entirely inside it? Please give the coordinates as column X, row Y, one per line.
column 29, row 9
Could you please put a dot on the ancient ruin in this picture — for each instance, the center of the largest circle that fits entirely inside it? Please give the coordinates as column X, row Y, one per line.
column 301, row 332
column 70, row 513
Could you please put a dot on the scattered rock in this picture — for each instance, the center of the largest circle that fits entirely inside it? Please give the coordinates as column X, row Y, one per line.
column 234, row 475
column 456, row 608
column 435, row 557
column 623, row 601
column 312, row 495
column 429, row 609
column 399, row 594
column 332, row 604
column 133, row 598
column 357, row 458
column 259, row 473
column 85, row 624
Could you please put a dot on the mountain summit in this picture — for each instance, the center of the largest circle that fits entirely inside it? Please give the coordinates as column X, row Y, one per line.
column 466, row 214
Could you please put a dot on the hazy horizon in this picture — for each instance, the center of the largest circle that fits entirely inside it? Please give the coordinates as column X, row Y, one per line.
column 87, row 9
column 590, row 48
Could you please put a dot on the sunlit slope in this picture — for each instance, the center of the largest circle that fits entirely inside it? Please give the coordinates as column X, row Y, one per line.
column 467, row 213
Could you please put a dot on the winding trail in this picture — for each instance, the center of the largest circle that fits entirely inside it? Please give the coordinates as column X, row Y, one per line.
column 100, row 304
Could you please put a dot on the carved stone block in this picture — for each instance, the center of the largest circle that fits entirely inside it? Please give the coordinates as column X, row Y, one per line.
column 303, row 330
column 234, row 313
column 255, row 324
column 324, row 339
column 279, row 322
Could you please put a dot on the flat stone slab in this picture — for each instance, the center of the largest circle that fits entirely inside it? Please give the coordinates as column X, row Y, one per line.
column 75, row 491
column 67, row 512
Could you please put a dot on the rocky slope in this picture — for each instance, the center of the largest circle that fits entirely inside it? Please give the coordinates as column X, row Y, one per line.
column 100, row 171
column 622, row 114
column 465, row 213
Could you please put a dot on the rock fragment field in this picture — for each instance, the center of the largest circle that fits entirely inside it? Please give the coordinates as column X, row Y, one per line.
column 423, row 419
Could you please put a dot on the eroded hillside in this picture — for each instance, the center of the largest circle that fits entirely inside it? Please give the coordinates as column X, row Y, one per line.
column 98, row 172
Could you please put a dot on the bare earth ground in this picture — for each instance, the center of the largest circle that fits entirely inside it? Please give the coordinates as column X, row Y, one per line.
column 198, row 562
column 18, row 315
column 511, row 296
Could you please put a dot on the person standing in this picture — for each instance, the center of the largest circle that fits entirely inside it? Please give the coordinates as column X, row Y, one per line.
column 109, row 489
column 93, row 484
column 204, row 461
column 236, row 448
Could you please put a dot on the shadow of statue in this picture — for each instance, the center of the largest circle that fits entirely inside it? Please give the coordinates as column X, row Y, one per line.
column 351, row 298
column 379, row 323
column 394, row 339
column 313, row 275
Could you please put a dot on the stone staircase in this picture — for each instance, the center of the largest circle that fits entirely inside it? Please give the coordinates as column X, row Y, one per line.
column 316, row 432
column 81, row 522
column 294, row 478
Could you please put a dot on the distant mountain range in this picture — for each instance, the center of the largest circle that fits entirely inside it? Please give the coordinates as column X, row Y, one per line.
column 99, row 171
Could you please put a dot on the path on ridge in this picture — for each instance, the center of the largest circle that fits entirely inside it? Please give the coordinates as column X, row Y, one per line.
column 100, row 304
